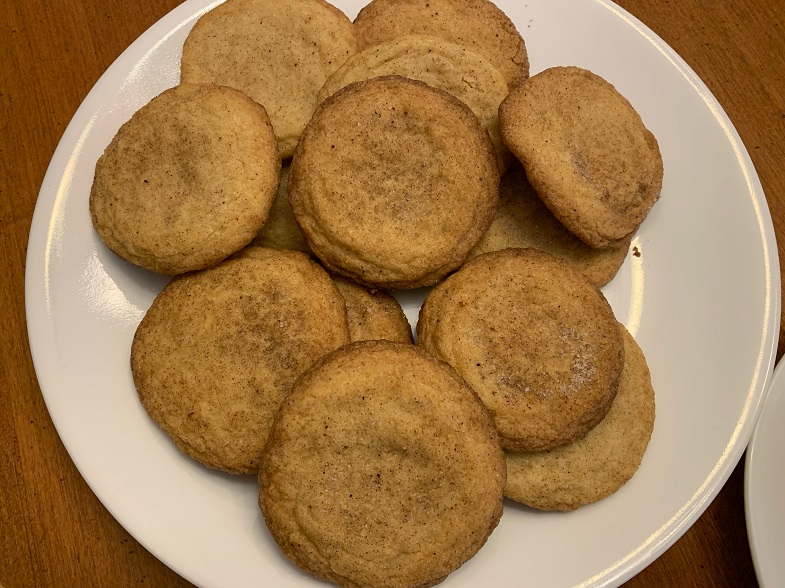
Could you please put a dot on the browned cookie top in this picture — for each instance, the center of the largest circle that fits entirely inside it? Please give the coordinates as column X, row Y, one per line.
column 478, row 24
column 219, row 350
column 585, row 150
column 382, row 469
column 187, row 181
column 393, row 182
column 534, row 338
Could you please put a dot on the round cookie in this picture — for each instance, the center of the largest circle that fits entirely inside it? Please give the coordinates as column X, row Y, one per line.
column 393, row 182
column 281, row 230
column 478, row 24
column 187, row 181
column 373, row 315
column 534, row 338
column 456, row 69
column 597, row 465
column 219, row 350
column 522, row 220
column 279, row 52
column 382, row 469
column 586, row 151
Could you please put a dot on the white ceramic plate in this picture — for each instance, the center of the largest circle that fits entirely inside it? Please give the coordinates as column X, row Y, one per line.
column 702, row 298
column 764, row 487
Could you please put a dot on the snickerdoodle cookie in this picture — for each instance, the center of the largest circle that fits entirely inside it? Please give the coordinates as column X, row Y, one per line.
column 522, row 220
column 393, row 182
column 219, row 350
column 279, row 52
column 478, row 24
column 534, row 338
column 602, row 461
column 586, row 151
column 382, row 469
column 187, row 181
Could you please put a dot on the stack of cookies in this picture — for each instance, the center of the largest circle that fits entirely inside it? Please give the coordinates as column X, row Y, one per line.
column 306, row 167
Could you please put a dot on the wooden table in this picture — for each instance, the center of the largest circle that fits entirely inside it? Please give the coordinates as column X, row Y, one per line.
column 53, row 530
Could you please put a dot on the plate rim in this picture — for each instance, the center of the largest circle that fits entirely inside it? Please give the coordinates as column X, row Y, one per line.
column 752, row 467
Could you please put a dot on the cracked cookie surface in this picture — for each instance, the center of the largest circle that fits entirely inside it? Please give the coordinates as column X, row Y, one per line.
column 187, row 181
column 382, row 469
column 218, row 351
column 534, row 338
column 393, row 182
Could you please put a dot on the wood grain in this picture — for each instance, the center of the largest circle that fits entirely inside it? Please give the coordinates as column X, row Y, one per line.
column 53, row 530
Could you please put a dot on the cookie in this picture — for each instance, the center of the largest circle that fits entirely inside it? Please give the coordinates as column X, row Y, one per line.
column 597, row 465
column 279, row 52
column 534, row 338
column 219, row 350
column 281, row 230
column 382, row 469
column 187, row 181
column 373, row 315
column 456, row 69
column 586, row 152
column 478, row 24
column 393, row 182
column 522, row 220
